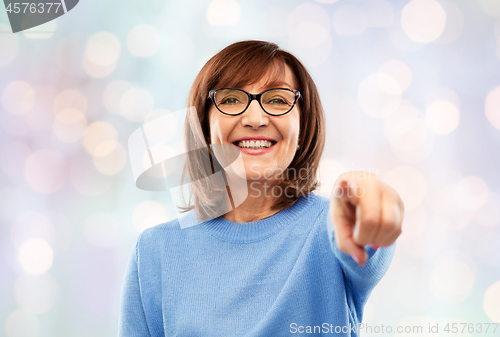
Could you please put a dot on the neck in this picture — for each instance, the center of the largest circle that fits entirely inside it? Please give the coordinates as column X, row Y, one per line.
column 256, row 206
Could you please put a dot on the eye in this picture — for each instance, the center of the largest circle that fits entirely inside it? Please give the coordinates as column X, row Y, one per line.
column 276, row 101
column 229, row 100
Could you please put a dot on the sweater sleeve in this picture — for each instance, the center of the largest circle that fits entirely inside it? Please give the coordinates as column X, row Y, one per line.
column 360, row 280
column 132, row 321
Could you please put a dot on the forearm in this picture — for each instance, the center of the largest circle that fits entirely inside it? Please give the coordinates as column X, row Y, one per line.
column 361, row 279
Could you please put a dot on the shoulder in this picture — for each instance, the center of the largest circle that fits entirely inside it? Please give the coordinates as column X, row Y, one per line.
column 163, row 234
column 317, row 204
column 158, row 231
column 320, row 200
column 182, row 227
column 320, row 215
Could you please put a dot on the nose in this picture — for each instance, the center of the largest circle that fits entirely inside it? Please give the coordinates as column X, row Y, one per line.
column 254, row 116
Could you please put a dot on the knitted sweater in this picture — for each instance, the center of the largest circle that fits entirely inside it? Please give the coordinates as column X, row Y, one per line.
column 279, row 276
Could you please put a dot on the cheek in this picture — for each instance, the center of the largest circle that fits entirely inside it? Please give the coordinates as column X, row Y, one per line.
column 220, row 127
column 215, row 128
column 290, row 128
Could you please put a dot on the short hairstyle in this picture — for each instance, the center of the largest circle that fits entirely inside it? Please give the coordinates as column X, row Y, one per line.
column 239, row 64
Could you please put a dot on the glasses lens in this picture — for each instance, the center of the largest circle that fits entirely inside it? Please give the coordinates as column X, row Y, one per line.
column 278, row 101
column 231, row 101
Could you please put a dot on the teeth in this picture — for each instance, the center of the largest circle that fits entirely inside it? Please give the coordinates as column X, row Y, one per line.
column 259, row 144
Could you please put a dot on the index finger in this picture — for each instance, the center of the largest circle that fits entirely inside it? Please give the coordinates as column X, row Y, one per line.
column 343, row 230
column 368, row 201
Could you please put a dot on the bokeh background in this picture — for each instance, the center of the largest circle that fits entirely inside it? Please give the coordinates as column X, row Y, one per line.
column 411, row 91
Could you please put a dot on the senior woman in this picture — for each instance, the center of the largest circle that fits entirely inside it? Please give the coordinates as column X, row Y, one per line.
column 281, row 260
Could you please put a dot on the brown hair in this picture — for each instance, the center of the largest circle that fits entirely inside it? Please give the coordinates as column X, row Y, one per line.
column 239, row 64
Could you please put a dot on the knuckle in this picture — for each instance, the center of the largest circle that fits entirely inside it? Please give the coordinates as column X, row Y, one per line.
column 361, row 239
column 388, row 224
column 369, row 223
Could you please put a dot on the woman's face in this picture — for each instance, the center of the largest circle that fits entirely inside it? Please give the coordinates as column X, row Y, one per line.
column 255, row 124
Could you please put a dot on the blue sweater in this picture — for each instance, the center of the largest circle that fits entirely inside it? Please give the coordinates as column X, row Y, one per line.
column 279, row 276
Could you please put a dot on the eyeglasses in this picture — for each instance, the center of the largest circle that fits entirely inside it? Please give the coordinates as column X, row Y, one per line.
column 234, row 101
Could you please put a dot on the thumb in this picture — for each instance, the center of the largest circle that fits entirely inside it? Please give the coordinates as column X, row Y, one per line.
column 358, row 253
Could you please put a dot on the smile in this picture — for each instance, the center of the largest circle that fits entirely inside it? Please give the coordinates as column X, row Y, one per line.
column 255, row 147
column 254, row 144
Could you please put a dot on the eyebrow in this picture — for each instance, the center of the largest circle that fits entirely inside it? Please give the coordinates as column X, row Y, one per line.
column 275, row 84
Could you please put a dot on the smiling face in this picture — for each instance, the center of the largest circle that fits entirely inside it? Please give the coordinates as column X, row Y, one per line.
column 282, row 132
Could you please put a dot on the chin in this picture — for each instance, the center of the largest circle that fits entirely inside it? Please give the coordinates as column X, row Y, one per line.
column 254, row 171
column 255, row 177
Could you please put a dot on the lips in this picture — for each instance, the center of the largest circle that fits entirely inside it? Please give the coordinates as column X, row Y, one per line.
column 258, row 143
column 255, row 138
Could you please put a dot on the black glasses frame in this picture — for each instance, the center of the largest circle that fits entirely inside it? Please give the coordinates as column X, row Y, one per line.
column 251, row 97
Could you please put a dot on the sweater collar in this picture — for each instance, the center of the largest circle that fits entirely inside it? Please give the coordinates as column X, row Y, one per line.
column 248, row 232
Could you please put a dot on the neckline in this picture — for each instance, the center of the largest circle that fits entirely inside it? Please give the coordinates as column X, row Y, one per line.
column 248, row 232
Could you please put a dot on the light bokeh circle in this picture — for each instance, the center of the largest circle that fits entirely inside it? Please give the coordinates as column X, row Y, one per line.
column 398, row 70
column 451, row 281
column 113, row 94
column 442, row 117
column 22, row 324
column 136, row 103
column 223, row 12
column 97, row 71
column 309, row 34
column 35, row 256
column 491, row 301
column 46, row 171
column 308, row 27
column 143, row 41
column 69, row 125
column 18, row 97
column 405, row 129
column 70, row 99
column 99, row 133
column 103, row 49
column 423, row 20
column 471, row 193
column 349, row 20
column 379, row 95
column 492, row 107
column 113, row 161
column 410, row 184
